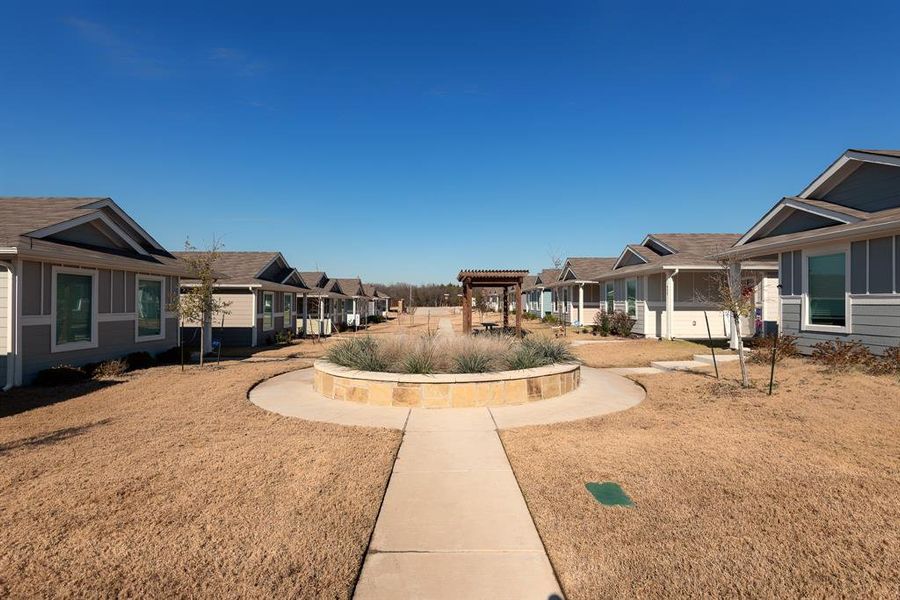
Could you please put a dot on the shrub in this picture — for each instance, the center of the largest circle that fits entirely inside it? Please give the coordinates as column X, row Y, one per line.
column 523, row 357
column 60, row 375
column 360, row 353
column 539, row 352
column 886, row 364
column 172, row 356
column 601, row 323
column 842, row 356
column 283, row 337
column 473, row 359
column 621, row 324
column 421, row 359
column 529, row 316
column 550, row 319
column 110, row 369
column 375, row 319
column 138, row 360
column 762, row 346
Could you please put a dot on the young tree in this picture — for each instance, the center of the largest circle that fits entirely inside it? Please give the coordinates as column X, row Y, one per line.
column 199, row 303
column 730, row 295
column 411, row 311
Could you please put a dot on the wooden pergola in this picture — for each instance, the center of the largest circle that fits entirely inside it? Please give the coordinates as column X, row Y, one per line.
column 492, row 278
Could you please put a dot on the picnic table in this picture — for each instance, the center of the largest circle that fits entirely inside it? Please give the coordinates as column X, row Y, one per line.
column 488, row 325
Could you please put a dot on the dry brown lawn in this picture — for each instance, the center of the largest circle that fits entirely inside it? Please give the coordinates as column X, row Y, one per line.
column 172, row 484
column 637, row 352
column 736, row 493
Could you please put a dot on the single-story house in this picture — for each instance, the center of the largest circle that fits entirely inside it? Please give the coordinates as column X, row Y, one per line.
column 667, row 283
column 260, row 304
column 378, row 301
column 80, row 282
column 320, row 303
column 540, row 295
column 576, row 292
column 838, row 248
column 529, row 294
column 349, row 300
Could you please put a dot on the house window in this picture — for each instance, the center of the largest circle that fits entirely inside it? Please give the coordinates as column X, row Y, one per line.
column 826, row 287
column 610, row 297
column 631, row 296
column 75, row 318
column 268, row 311
column 288, row 302
column 149, row 304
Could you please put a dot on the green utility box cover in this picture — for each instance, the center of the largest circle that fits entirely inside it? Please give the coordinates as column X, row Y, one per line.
column 609, row 493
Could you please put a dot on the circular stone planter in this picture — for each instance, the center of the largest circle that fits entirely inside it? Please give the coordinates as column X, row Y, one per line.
column 445, row 390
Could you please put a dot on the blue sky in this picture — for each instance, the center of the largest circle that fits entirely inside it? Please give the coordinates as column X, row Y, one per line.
column 402, row 141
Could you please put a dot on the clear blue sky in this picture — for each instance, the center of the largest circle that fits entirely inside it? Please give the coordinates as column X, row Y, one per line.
column 402, row 141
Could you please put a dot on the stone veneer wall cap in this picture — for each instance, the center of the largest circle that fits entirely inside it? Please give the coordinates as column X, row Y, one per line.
column 337, row 370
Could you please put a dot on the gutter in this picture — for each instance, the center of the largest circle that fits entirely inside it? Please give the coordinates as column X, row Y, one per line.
column 12, row 327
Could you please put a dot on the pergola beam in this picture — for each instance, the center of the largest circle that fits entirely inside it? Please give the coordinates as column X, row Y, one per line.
column 503, row 279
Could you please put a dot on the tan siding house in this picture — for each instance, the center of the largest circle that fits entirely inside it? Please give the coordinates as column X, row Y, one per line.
column 81, row 282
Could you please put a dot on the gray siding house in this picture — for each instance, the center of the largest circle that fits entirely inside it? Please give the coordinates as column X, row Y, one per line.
column 261, row 290
column 838, row 248
column 80, row 282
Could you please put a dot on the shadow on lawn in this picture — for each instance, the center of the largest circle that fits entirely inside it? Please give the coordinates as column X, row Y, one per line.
column 50, row 438
column 19, row 400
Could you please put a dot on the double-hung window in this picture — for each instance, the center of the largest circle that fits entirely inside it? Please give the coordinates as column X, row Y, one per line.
column 631, row 297
column 288, row 305
column 74, row 321
column 149, row 304
column 610, row 297
column 268, row 311
column 826, row 285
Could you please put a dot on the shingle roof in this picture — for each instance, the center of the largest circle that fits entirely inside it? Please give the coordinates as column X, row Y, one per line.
column 241, row 268
column 894, row 153
column 528, row 282
column 589, row 268
column 548, row 276
column 21, row 216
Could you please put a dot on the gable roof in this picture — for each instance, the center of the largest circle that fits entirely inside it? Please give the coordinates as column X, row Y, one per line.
column 246, row 268
column 689, row 250
column 547, row 276
column 92, row 230
column 586, row 268
column 528, row 282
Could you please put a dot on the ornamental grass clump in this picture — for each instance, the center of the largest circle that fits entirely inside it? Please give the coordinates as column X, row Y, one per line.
column 360, row 353
column 539, row 352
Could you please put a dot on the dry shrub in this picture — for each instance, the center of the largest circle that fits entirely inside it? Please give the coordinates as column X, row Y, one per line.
column 621, row 324
column 111, row 369
column 839, row 355
column 60, row 375
column 886, row 364
column 762, row 346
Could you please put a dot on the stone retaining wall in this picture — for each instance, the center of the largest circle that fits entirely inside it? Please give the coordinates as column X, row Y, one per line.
column 445, row 390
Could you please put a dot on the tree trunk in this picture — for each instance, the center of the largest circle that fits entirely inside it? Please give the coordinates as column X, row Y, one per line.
column 736, row 324
column 202, row 344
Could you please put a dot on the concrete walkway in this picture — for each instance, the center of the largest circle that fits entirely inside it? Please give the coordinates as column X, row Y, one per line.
column 454, row 523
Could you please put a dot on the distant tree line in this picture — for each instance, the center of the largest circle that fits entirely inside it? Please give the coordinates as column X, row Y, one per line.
column 429, row 294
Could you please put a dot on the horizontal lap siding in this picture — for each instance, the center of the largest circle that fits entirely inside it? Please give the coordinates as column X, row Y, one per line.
column 116, row 339
column 875, row 325
column 231, row 337
column 4, row 323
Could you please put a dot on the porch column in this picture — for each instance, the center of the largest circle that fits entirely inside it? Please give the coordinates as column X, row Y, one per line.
column 355, row 312
column 670, row 302
column 734, row 275
column 581, row 304
column 541, row 303
column 305, row 311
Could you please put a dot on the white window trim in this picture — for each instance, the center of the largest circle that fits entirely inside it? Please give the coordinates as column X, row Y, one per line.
column 607, row 287
column 264, row 311
column 805, row 325
column 634, row 279
column 71, row 346
column 162, row 308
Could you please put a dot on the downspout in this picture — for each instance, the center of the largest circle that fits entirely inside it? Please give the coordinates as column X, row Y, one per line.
column 12, row 327
column 253, row 332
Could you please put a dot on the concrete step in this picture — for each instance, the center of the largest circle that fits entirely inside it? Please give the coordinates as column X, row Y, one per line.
column 680, row 365
column 721, row 358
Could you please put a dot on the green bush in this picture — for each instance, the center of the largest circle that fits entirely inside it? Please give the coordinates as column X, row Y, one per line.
column 601, row 323
column 550, row 319
column 60, row 375
column 375, row 319
column 139, row 360
column 283, row 337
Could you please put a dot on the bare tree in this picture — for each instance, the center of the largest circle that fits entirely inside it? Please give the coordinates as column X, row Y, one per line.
column 411, row 311
column 730, row 295
column 199, row 303
column 558, row 263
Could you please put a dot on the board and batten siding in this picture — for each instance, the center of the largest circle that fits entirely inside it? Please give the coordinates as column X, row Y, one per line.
column 4, row 324
column 116, row 297
column 874, row 302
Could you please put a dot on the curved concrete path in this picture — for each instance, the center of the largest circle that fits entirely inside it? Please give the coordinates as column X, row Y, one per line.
column 601, row 392
column 454, row 523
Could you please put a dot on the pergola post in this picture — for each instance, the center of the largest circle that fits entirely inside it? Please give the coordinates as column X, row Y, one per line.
column 467, row 306
column 518, row 289
column 505, row 307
